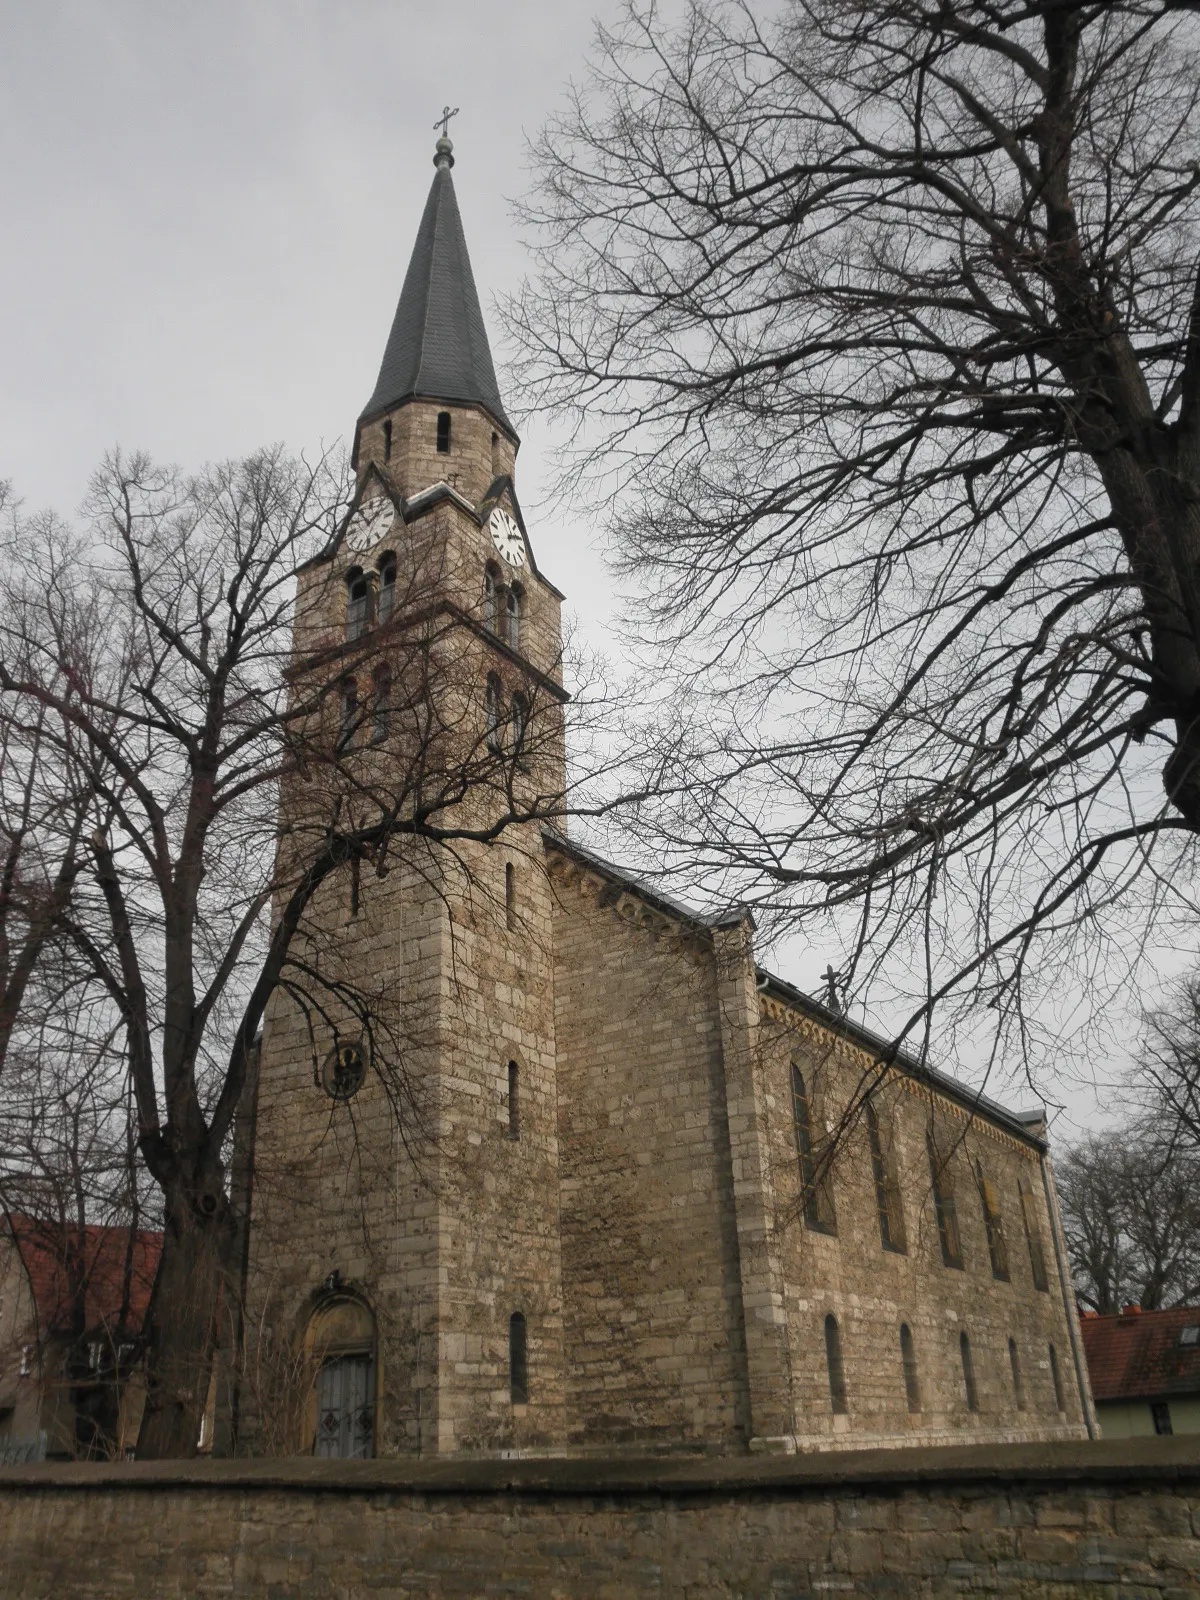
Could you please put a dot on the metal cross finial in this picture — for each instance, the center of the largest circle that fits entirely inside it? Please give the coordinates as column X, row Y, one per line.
column 443, row 122
column 832, row 982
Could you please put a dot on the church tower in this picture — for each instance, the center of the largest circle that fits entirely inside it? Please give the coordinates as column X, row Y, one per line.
column 403, row 1286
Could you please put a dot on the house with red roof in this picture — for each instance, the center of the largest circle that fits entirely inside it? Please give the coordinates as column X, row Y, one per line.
column 73, row 1302
column 1145, row 1370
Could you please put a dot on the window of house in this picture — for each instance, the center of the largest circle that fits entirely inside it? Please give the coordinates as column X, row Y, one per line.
column 491, row 597
column 443, row 433
column 817, row 1195
column 358, row 602
column 1056, row 1379
column 1160, row 1415
column 943, row 1205
column 1033, row 1235
column 491, row 710
column 349, row 713
column 887, row 1190
column 1014, row 1361
column 387, row 440
column 908, row 1362
column 510, row 896
column 994, row 1225
column 833, row 1363
column 381, row 703
column 387, row 587
column 512, row 617
column 518, row 1360
column 514, row 1101
column 1190, row 1334
column 968, row 1371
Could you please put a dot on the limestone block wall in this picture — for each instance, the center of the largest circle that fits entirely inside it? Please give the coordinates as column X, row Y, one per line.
column 1044, row 1523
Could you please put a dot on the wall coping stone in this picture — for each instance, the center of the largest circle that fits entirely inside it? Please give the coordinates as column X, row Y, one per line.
column 1136, row 1462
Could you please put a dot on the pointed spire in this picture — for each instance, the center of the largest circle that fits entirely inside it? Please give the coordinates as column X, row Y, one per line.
column 438, row 346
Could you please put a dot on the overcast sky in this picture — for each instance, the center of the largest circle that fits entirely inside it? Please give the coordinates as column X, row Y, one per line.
column 208, row 208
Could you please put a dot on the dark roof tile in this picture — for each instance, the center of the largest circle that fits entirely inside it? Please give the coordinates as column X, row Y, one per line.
column 1138, row 1356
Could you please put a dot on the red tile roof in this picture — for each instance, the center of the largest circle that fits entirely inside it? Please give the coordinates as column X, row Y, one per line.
column 1138, row 1356
column 94, row 1261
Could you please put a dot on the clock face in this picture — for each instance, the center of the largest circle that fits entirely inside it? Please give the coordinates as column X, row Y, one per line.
column 507, row 537
column 369, row 523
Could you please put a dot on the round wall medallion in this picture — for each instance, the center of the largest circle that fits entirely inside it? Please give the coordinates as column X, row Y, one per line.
column 344, row 1070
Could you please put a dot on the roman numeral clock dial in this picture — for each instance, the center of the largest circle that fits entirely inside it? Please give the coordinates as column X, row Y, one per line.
column 507, row 538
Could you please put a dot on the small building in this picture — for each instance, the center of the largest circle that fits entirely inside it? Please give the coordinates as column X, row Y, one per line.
column 73, row 1302
column 1145, row 1370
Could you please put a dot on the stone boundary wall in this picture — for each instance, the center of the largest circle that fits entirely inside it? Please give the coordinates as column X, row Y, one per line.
column 1113, row 1518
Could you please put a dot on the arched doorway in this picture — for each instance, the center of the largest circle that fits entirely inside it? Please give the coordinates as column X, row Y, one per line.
column 342, row 1341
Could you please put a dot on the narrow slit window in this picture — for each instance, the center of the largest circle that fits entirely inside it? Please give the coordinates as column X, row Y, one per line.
column 1014, row 1361
column 510, row 896
column 514, row 1101
column 837, row 1371
column 908, row 1362
column 358, row 602
column 387, row 440
column 993, row 1223
column 387, row 588
column 1056, row 1379
column 518, row 1360
column 355, row 886
column 943, row 1205
column 817, row 1198
column 349, row 714
column 381, row 709
column 968, row 1371
column 1033, row 1235
column 887, row 1189
column 512, row 617
column 443, row 433
column 491, row 598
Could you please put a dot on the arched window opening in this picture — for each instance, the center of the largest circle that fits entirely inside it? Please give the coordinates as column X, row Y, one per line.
column 887, row 1189
column 968, row 1371
column 387, row 440
column 993, row 1223
column 1056, row 1376
column 514, row 1101
column 341, row 1342
column 358, row 603
column 833, row 1361
column 908, row 1361
column 1014, row 1361
column 381, row 707
column 520, row 723
column 943, row 1204
column 512, row 617
column 518, row 1361
column 491, row 709
column 443, row 433
column 387, row 587
column 349, row 714
column 1033, row 1235
column 510, row 896
column 492, row 590
column 817, row 1195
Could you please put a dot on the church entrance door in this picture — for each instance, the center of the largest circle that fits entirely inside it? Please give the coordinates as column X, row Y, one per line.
column 346, row 1407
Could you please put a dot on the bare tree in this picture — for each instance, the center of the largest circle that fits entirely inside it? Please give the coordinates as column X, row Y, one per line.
column 877, row 326
column 187, row 652
column 1131, row 1215
column 1168, row 1062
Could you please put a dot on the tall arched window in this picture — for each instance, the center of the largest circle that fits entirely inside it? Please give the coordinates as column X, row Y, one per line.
column 348, row 714
column 518, row 1360
column 908, row 1362
column 1056, row 1377
column 491, row 598
column 943, row 1205
column 443, row 433
column 381, row 707
column 491, row 711
column 1014, row 1361
column 993, row 1224
column 1033, row 1235
column 817, row 1195
column 387, row 587
column 514, row 1100
column 512, row 617
column 968, row 1371
column 358, row 602
column 887, row 1189
column 833, row 1362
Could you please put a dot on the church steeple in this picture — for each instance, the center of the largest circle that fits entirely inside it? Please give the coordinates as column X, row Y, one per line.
column 438, row 347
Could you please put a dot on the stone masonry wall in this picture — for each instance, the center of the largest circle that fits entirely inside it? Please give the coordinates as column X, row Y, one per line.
column 1063, row 1520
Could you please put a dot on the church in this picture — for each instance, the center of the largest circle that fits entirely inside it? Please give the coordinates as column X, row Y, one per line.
column 657, row 1199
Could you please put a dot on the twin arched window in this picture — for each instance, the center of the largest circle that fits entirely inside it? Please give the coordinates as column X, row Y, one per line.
column 363, row 606
column 502, row 607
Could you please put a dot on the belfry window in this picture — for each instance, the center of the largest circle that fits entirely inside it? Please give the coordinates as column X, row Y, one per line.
column 381, row 707
column 833, row 1362
column 943, row 1205
column 443, row 433
column 518, row 1360
column 387, row 587
column 491, row 712
column 817, row 1196
column 491, row 598
column 512, row 617
column 358, row 602
column 520, row 722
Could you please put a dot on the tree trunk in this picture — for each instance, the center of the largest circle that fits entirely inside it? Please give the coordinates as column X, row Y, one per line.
column 181, row 1324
